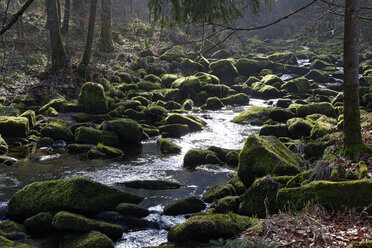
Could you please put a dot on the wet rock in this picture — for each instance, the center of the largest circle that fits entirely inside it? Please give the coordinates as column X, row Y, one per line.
column 265, row 91
column 55, row 103
column 318, row 76
column 195, row 157
column 181, row 119
column 255, row 115
column 3, row 146
column 66, row 221
column 155, row 113
column 217, row 192
column 238, row 99
column 11, row 126
column 128, row 131
column 174, row 130
column 206, row 78
column 284, row 58
column 281, row 115
column 297, row 86
column 202, row 228
column 12, row 230
column 168, row 79
column 274, row 130
column 93, row 98
column 152, row 184
column 232, row 158
column 110, row 152
column 283, row 103
column 263, row 155
column 40, row 223
column 188, row 104
column 92, row 239
column 213, row 103
column 95, row 154
column 57, row 130
column 226, row 204
column 224, row 69
column 8, row 160
column 74, row 194
column 130, row 209
column 187, row 87
column 51, row 112
column 85, row 135
column 80, row 148
column 188, row 205
column 167, row 146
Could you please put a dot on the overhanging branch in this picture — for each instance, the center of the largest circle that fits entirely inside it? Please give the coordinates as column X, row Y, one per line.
column 16, row 17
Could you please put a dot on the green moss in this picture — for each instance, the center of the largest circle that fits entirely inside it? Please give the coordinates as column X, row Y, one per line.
column 110, row 152
column 57, row 130
column 155, row 113
column 251, row 80
column 93, row 98
column 92, row 239
column 130, row 209
column 213, row 103
column 85, row 135
column 168, row 79
column 363, row 170
column 55, row 103
column 248, row 67
column 206, row 78
column 152, row 78
column 3, row 146
column 30, row 115
column 14, row 126
column 238, row 99
column 317, row 108
column 40, row 223
column 299, row 127
column 188, row 205
column 281, row 115
column 66, row 221
column 202, row 228
column 284, row 57
column 173, row 53
column 218, row 191
column 224, row 69
column 255, row 115
column 182, row 119
column 323, row 126
column 265, row 91
column 237, row 184
column 297, row 86
column 195, row 157
column 226, row 204
column 128, row 131
column 51, row 112
column 274, row 130
column 174, row 130
column 167, row 146
column 265, row 155
column 73, row 106
column 148, row 86
column 75, row 194
column 6, row 243
column 333, row 195
column 297, row 180
column 272, row 80
column 365, row 244
column 188, row 86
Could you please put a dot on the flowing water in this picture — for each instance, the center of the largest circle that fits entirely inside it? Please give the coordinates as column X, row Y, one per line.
column 149, row 164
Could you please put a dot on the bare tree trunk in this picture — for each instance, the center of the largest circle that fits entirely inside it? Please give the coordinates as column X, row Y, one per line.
column 88, row 47
column 105, row 40
column 66, row 17
column 59, row 12
column 353, row 143
column 59, row 57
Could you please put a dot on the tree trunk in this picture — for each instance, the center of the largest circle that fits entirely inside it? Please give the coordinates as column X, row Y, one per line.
column 59, row 12
column 352, row 132
column 59, row 57
column 66, row 17
column 88, row 47
column 105, row 40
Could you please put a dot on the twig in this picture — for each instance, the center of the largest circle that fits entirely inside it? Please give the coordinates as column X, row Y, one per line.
column 16, row 17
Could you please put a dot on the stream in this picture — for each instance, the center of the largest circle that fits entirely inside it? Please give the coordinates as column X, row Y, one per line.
column 150, row 164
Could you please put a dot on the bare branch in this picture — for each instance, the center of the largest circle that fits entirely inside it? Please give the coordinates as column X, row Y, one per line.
column 16, row 17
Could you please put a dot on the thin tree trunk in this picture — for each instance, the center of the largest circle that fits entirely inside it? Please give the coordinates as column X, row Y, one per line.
column 88, row 47
column 105, row 40
column 59, row 57
column 66, row 17
column 59, row 12
column 352, row 132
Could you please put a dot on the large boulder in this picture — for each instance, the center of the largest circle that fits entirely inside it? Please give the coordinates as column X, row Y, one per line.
column 188, row 87
column 11, row 126
column 265, row 155
column 195, row 157
column 93, row 98
column 167, row 146
column 213, row 103
column 185, row 120
column 284, row 58
column 299, row 127
column 297, row 86
column 324, row 108
column 128, row 131
column 248, row 67
column 74, row 194
column 174, row 130
column 66, row 221
column 188, row 205
column 40, row 223
column 224, row 69
column 57, row 130
column 3, row 146
column 238, row 99
column 86, row 135
column 202, row 228
column 323, row 126
column 274, row 130
column 255, row 115
column 130, row 209
column 318, row 76
column 333, row 195
column 92, row 239
column 265, row 91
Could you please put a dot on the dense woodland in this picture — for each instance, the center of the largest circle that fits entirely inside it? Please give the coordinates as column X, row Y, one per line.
column 178, row 123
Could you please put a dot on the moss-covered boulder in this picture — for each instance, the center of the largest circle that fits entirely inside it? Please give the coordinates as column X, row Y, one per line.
column 110, row 152
column 73, row 106
column 12, row 230
column 274, row 130
column 80, row 148
column 217, row 90
column 299, row 127
column 188, row 205
column 202, row 228
column 248, row 67
column 128, row 131
column 167, row 146
column 57, row 130
column 324, row 108
column 318, row 76
column 299, row 179
column 168, row 79
column 6, row 243
column 51, row 112
column 173, row 53
column 216, row 192
column 131, row 209
column 255, row 115
column 40, row 223
column 188, row 86
column 206, row 78
column 323, row 126
column 182, row 119
column 224, row 69
column 66, row 221
column 297, row 86
column 265, row 91
column 265, row 155
column 174, row 130
column 74, row 194
column 238, row 99
column 95, row 154
column 262, row 192
column 152, row 184
column 281, row 115
column 54, row 103
column 213, row 103
column 31, row 116
column 11, row 126
column 226, row 204
column 155, row 113
column 3, row 146
column 333, row 195
column 92, row 239
column 93, row 98
column 284, row 58
column 86, row 135
column 195, row 157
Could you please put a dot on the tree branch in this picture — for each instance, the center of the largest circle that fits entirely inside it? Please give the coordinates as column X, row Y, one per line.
column 16, row 17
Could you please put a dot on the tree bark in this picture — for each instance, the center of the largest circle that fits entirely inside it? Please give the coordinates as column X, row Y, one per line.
column 59, row 57
column 105, row 40
column 88, row 47
column 66, row 17
column 352, row 132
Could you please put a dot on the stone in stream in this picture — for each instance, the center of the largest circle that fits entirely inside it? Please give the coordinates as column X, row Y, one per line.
column 12, row 230
column 224, row 69
column 66, row 221
column 93, row 98
column 74, row 194
column 132, row 210
column 174, row 130
column 11, row 126
column 40, row 223
column 185, row 120
column 196, row 157
column 238, row 99
column 167, row 146
column 128, row 131
column 188, row 205
column 263, row 155
column 255, row 115
column 92, row 239
column 3, row 146
column 57, row 130
column 152, row 184
column 226, row 204
column 86, row 135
